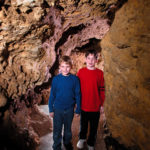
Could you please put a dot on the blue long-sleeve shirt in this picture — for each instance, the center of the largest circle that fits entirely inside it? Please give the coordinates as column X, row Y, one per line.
column 65, row 93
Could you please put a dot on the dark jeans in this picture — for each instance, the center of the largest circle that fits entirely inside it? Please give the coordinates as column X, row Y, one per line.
column 62, row 117
column 93, row 119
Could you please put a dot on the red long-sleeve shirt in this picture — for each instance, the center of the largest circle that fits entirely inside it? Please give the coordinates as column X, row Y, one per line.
column 92, row 89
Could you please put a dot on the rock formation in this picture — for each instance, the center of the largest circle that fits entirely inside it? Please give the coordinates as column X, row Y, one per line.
column 127, row 73
column 35, row 34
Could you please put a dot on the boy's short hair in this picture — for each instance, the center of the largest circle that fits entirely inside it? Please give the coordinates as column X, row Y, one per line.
column 65, row 59
column 91, row 51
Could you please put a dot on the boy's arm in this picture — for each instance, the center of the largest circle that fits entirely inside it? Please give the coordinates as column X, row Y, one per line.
column 77, row 96
column 102, row 89
column 52, row 97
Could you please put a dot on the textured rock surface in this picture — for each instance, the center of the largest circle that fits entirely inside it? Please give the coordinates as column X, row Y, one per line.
column 33, row 35
column 30, row 42
column 127, row 75
column 24, row 62
column 23, row 128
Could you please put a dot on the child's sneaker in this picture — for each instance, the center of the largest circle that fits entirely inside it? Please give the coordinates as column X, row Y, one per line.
column 90, row 147
column 81, row 143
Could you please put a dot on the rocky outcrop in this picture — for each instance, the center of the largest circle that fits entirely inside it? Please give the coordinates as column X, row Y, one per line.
column 21, row 43
column 34, row 34
column 127, row 73
column 22, row 128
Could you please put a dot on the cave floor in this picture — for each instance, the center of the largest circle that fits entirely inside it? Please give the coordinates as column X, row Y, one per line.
column 46, row 141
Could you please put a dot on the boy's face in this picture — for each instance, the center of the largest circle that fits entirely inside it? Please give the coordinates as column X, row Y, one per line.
column 64, row 68
column 91, row 61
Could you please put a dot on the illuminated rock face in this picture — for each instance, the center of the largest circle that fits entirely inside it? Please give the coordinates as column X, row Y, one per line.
column 23, row 59
column 24, row 64
column 127, row 75
column 35, row 34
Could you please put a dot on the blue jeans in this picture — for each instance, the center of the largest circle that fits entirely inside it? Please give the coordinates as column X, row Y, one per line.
column 62, row 117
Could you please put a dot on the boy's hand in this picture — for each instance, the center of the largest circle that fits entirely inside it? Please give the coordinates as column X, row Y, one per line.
column 77, row 115
column 102, row 109
column 51, row 114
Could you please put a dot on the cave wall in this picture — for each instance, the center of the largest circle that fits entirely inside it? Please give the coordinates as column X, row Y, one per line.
column 35, row 34
column 23, row 59
column 127, row 75
column 24, row 64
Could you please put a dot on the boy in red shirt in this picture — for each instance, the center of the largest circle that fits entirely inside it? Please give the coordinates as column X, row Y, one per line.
column 92, row 91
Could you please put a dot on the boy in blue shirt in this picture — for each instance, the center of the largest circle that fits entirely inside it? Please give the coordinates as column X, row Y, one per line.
column 64, row 96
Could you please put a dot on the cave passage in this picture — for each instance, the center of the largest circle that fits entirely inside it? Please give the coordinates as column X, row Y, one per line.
column 34, row 35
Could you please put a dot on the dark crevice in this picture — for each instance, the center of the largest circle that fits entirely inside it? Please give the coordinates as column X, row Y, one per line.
column 90, row 1
column 92, row 44
column 11, row 133
column 47, row 34
column 4, row 108
column 103, row 7
column 1, row 4
column 2, row 111
column 60, row 7
column 32, row 28
column 76, row 3
column 12, row 140
column 45, row 85
column 112, row 143
column 29, row 11
column 27, row 33
column 45, row 4
column 121, row 3
column 6, row 6
column 5, row 53
column 123, row 46
column 55, row 66
column 111, row 11
column 69, row 32
column 18, row 11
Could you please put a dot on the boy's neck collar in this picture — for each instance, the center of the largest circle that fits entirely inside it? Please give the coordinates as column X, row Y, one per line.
column 91, row 68
column 65, row 75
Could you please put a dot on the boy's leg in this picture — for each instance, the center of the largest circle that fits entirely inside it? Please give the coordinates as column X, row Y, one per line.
column 94, row 120
column 68, row 117
column 83, row 125
column 57, row 129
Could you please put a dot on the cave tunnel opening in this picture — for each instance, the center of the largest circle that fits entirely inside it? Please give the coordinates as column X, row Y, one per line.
column 73, row 39
column 77, row 54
